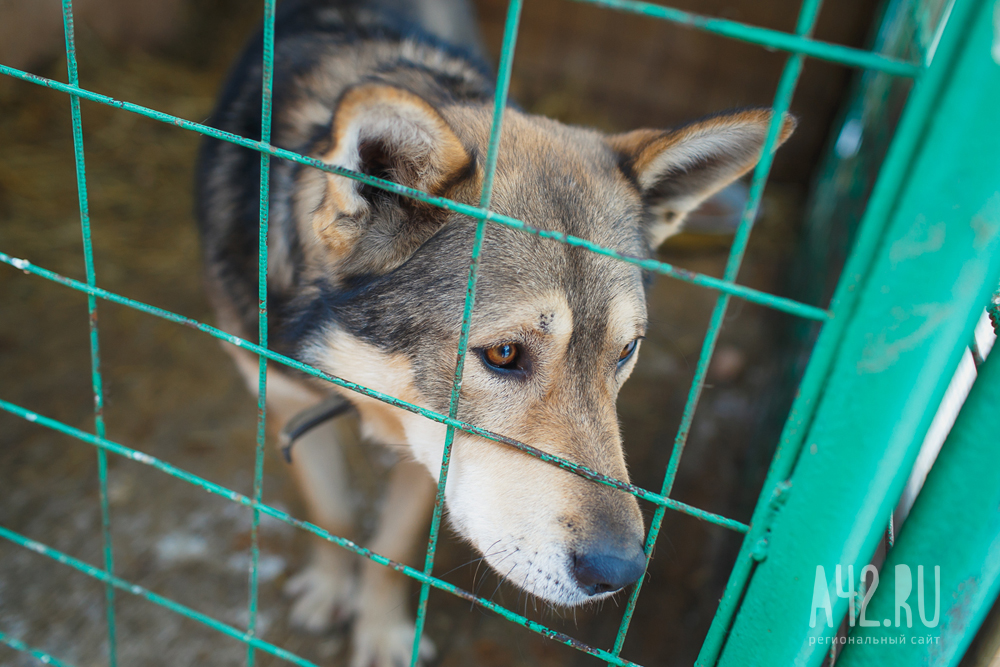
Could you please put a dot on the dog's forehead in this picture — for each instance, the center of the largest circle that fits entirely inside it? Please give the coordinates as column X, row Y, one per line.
column 527, row 281
column 553, row 178
column 556, row 177
column 566, row 179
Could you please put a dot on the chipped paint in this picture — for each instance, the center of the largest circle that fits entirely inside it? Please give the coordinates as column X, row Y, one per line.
column 912, row 326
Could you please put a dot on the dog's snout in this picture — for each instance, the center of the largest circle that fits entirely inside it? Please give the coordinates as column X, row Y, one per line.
column 605, row 568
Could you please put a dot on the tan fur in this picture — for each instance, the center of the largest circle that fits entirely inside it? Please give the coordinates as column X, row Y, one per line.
column 373, row 368
column 648, row 146
column 656, row 155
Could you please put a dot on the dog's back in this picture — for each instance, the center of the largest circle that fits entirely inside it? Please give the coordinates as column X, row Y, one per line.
column 429, row 47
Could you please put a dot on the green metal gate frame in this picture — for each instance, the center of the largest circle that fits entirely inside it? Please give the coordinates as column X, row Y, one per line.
column 902, row 314
column 923, row 269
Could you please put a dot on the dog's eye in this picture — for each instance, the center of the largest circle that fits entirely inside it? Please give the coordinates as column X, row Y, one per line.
column 627, row 352
column 503, row 356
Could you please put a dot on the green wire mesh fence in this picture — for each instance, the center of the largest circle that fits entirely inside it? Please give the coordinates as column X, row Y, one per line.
column 799, row 44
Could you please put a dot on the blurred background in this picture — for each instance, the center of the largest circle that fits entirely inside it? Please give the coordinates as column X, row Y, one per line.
column 173, row 393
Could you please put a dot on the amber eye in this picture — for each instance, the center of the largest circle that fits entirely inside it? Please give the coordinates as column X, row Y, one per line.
column 627, row 352
column 502, row 356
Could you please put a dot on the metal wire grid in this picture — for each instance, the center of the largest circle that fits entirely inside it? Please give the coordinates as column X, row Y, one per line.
column 800, row 44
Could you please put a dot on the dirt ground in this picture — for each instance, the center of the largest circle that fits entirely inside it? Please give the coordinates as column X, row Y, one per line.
column 172, row 393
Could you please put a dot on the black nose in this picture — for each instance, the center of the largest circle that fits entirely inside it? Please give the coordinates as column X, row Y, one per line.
column 603, row 569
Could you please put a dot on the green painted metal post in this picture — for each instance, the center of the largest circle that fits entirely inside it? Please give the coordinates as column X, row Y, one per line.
column 935, row 268
column 967, row 550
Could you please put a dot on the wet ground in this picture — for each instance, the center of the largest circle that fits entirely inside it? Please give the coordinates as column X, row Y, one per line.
column 171, row 392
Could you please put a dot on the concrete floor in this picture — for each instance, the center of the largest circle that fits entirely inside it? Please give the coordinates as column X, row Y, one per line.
column 172, row 393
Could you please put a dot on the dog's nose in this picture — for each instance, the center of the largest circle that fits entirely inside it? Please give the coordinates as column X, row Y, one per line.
column 604, row 569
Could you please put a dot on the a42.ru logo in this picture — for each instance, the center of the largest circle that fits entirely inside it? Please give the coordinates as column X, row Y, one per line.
column 844, row 587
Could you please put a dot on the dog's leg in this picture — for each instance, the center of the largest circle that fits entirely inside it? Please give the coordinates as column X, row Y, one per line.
column 383, row 631
column 324, row 590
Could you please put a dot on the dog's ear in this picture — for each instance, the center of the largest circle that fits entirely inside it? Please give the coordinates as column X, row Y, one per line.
column 393, row 134
column 676, row 170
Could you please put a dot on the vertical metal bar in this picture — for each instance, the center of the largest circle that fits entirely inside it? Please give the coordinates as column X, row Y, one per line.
column 95, row 350
column 967, row 551
column 782, row 100
column 267, row 77
column 499, row 105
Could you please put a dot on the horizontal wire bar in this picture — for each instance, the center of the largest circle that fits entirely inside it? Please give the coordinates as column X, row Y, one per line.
column 749, row 294
column 776, row 39
column 575, row 468
column 147, row 594
column 275, row 513
column 41, row 656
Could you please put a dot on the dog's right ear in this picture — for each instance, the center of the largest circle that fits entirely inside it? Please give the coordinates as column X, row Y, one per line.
column 676, row 170
column 393, row 134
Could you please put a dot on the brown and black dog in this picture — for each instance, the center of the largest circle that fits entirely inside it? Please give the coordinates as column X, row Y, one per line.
column 370, row 286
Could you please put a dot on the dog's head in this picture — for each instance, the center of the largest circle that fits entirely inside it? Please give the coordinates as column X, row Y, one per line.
column 555, row 331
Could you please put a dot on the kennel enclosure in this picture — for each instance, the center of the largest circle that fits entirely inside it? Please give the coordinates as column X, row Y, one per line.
column 925, row 259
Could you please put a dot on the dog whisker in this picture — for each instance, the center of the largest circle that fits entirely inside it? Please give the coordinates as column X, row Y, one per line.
column 475, row 587
column 477, row 560
column 502, row 579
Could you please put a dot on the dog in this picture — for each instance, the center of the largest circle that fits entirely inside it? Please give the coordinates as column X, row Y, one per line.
column 369, row 286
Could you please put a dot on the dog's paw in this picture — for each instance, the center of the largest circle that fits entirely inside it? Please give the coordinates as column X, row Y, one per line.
column 323, row 597
column 387, row 644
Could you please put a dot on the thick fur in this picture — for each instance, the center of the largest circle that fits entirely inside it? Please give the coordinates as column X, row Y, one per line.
column 370, row 286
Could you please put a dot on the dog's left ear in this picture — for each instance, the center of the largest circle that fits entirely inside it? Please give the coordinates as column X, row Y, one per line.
column 395, row 135
column 676, row 170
